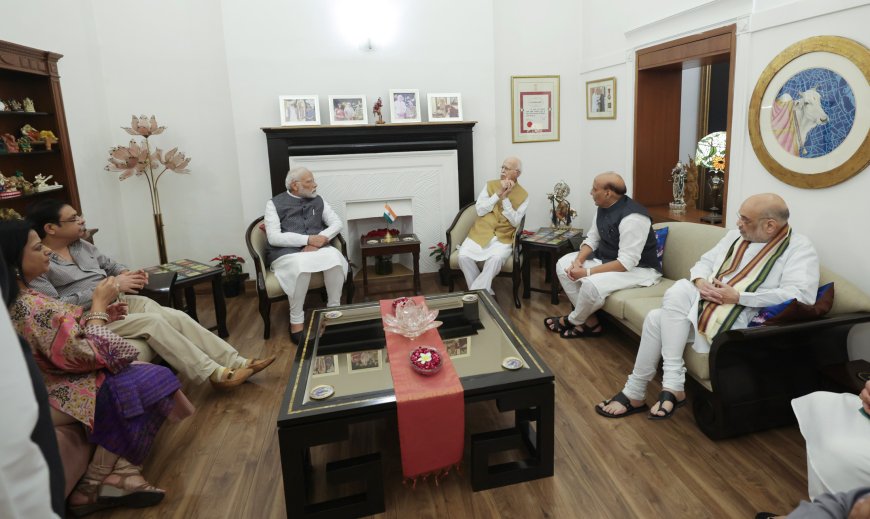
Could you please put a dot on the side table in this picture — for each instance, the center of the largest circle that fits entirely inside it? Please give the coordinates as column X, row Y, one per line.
column 188, row 274
column 401, row 244
column 554, row 243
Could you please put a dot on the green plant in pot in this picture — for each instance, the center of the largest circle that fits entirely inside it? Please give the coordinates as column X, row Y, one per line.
column 232, row 278
column 438, row 252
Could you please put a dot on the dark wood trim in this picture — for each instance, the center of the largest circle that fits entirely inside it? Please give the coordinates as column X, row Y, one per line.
column 285, row 142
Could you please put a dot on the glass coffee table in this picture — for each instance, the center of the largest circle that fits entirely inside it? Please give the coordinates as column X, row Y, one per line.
column 341, row 376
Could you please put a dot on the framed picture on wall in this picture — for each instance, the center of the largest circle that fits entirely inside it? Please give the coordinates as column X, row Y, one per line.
column 405, row 105
column 809, row 115
column 299, row 110
column 445, row 107
column 535, row 108
column 601, row 98
column 348, row 109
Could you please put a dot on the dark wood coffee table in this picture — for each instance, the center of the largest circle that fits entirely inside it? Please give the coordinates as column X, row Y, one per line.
column 362, row 396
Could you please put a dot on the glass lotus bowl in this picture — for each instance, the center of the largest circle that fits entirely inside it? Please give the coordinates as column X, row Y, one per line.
column 411, row 320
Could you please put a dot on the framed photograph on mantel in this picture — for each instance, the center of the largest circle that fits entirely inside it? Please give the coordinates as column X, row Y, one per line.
column 405, row 105
column 445, row 107
column 535, row 108
column 601, row 98
column 299, row 110
column 348, row 109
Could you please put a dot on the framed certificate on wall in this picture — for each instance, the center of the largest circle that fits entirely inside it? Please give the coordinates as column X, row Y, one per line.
column 535, row 108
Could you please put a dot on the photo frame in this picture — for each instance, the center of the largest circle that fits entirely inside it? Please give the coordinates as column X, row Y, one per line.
column 601, row 98
column 299, row 110
column 348, row 109
column 458, row 347
column 324, row 366
column 362, row 361
column 535, row 108
column 809, row 115
column 444, row 107
column 405, row 105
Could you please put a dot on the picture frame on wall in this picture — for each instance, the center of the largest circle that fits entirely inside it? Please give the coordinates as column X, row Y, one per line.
column 601, row 98
column 535, row 108
column 405, row 105
column 299, row 110
column 809, row 114
column 348, row 109
column 444, row 107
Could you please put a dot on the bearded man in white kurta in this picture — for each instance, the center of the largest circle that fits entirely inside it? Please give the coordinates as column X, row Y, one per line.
column 501, row 206
column 762, row 263
column 299, row 227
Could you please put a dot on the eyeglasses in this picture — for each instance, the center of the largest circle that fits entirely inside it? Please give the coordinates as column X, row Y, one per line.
column 505, row 168
column 75, row 219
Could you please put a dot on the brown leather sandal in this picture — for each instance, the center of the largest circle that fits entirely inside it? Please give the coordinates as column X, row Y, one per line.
column 90, row 489
column 140, row 496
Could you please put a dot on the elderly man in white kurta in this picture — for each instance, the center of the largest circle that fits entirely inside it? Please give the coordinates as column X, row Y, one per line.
column 618, row 253
column 500, row 207
column 299, row 227
column 760, row 264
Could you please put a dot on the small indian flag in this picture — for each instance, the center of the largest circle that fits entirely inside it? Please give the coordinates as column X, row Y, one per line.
column 389, row 215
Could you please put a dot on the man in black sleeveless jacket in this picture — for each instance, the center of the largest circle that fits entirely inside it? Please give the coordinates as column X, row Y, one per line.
column 618, row 253
column 299, row 226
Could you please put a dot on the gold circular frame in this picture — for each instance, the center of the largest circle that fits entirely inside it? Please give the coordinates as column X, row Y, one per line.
column 849, row 49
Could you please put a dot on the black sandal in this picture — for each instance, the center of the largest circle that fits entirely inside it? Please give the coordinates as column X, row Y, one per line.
column 667, row 396
column 622, row 399
column 555, row 325
column 581, row 331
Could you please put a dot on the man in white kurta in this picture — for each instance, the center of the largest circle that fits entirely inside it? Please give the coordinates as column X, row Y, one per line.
column 618, row 253
column 740, row 257
column 299, row 226
column 838, row 440
column 501, row 206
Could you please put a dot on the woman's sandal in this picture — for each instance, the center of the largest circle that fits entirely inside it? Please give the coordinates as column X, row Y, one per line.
column 141, row 496
column 581, row 331
column 90, row 489
column 626, row 403
column 554, row 323
column 667, row 396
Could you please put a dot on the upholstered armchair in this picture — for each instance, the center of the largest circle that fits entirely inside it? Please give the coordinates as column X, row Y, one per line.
column 456, row 235
column 268, row 289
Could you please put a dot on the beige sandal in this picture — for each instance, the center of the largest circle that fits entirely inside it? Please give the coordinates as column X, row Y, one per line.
column 140, row 496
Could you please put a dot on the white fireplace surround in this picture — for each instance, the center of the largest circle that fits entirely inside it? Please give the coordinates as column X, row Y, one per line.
column 421, row 185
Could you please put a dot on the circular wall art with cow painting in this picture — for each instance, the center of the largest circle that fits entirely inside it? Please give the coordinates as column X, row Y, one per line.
column 809, row 117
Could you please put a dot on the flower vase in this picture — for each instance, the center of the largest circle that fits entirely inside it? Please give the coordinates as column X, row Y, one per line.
column 161, row 240
column 232, row 285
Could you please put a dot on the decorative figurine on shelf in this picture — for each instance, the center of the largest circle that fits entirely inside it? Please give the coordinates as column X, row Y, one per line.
column 14, row 105
column 8, row 214
column 2, row 106
column 11, row 143
column 561, row 212
column 691, row 180
column 7, row 188
column 40, row 183
column 23, row 184
column 377, row 111
column 31, row 132
column 28, row 105
column 678, row 188
column 48, row 138
column 24, row 144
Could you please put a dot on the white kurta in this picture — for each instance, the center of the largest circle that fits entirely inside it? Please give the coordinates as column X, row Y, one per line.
column 288, row 267
column 795, row 275
column 838, row 450
column 484, row 205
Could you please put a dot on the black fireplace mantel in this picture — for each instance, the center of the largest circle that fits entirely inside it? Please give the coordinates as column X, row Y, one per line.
column 285, row 142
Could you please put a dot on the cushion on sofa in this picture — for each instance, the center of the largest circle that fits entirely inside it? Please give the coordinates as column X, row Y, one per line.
column 849, row 298
column 686, row 243
column 792, row 311
column 615, row 302
column 661, row 239
column 698, row 366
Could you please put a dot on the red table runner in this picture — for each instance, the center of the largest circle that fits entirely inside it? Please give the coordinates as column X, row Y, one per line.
column 431, row 409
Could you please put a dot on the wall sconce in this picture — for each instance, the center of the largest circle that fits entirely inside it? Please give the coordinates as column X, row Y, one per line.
column 367, row 24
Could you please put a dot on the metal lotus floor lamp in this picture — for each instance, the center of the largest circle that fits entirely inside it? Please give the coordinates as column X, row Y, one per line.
column 138, row 159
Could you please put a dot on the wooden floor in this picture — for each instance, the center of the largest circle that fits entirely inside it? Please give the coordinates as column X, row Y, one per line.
column 224, row 462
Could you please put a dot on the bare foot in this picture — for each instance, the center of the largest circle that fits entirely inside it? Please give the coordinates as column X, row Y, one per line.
column 667, row 407
column 130, row 482
column 614, row 408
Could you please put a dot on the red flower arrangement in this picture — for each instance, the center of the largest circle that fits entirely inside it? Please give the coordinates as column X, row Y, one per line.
column 438, row 251
column 382, row 233
column 231, row 263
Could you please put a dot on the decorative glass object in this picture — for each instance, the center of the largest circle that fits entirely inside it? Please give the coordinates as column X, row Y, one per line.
column 711, row 155
column 411, row 320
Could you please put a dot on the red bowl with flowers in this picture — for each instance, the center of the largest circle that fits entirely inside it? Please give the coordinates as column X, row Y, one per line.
column 426, row 360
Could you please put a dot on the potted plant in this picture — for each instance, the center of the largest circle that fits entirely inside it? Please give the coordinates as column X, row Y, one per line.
column 438, row 252
column 232, row 279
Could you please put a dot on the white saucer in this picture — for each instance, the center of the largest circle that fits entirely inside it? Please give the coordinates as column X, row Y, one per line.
column 332, row 314
column 321, row 392
column 372, row 242
column 408, row 238
column 469, row 298
column 512, row 363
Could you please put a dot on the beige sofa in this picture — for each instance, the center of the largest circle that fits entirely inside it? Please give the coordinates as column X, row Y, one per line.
column 755, row 371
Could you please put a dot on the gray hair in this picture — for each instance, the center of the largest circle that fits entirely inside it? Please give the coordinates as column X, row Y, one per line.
column 295, row 175
column 519, row 165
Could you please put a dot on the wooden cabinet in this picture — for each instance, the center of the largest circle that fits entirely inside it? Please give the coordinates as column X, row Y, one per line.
column 27, row 72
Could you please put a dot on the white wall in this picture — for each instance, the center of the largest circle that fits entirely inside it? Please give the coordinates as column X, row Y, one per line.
column 689, row 98
column 827, row 216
